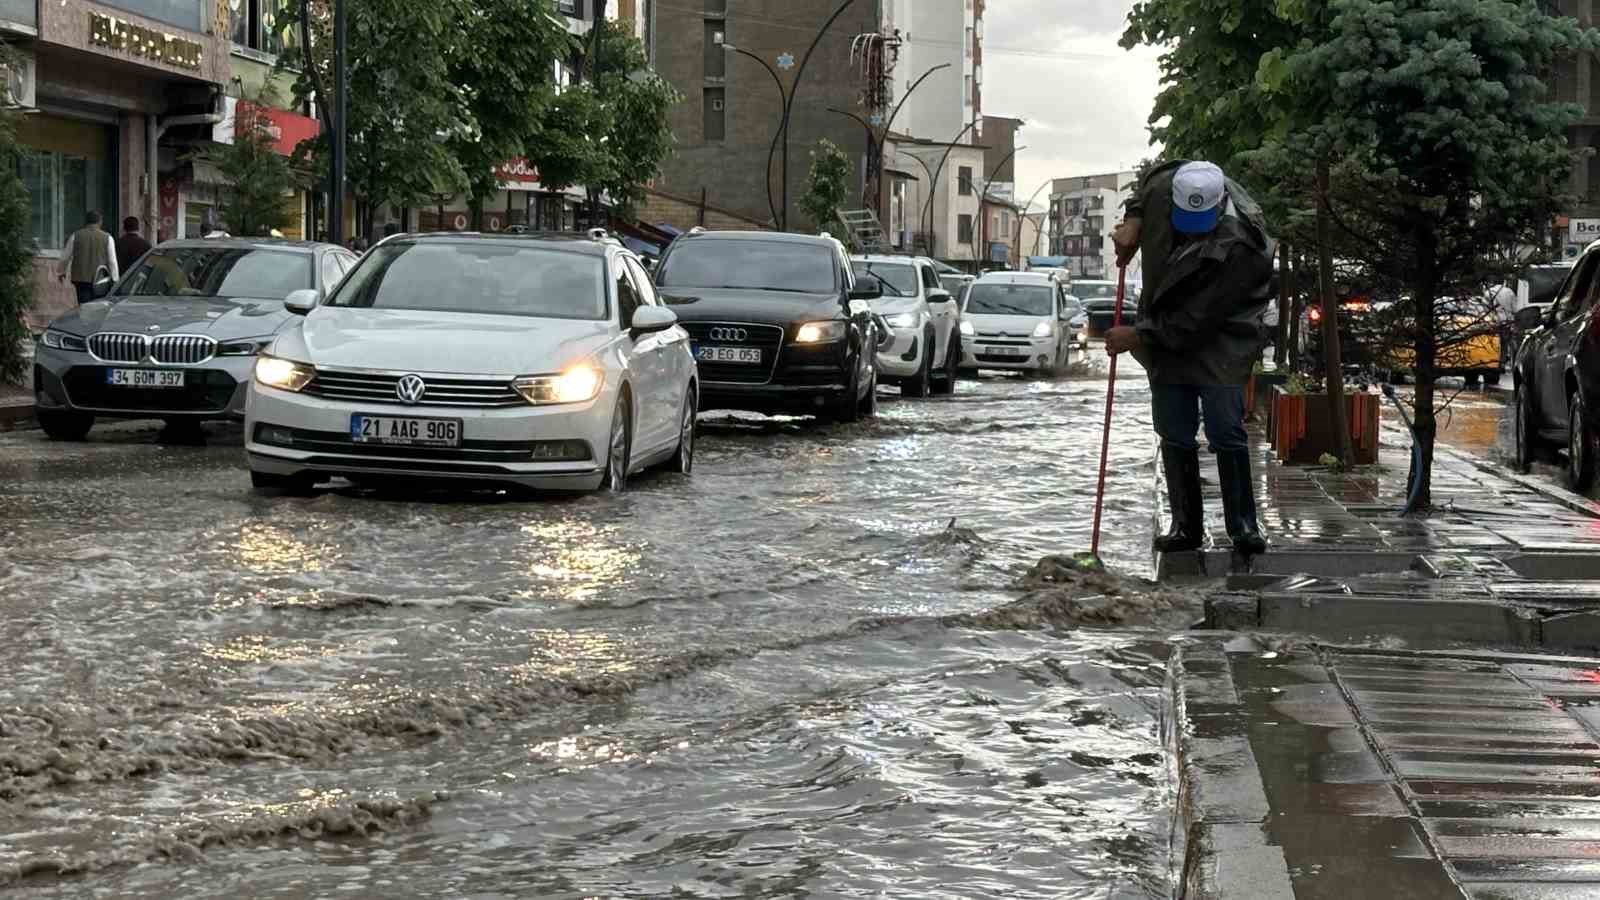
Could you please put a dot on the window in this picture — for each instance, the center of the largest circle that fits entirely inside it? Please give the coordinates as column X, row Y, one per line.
column 331, row 272
column 1575, row 293
column 627, row 296
column 255, row 26
column 477, row 276
column 66, row 170
column 715, row 55
column 716, row 262
column 967, row 48
column 23, row 12
column 641, row 282
column 966, row 96
column 964, row 180
column 964, row 229
column 930, row 279
column 218, row 272
column 714, row 116
column 572, row 8
column 187, row 14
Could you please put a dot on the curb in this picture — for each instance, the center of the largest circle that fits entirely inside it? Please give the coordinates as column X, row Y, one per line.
column 16, row 416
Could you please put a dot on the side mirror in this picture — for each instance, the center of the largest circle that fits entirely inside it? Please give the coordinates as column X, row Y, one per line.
column 1529, row 317
column 652, row 319
column 102, row 282
column 300, row 302
column 868, row 287
column 939, row 295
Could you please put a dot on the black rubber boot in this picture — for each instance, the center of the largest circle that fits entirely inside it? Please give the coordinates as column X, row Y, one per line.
column 1187, row 529
column 1239, row 502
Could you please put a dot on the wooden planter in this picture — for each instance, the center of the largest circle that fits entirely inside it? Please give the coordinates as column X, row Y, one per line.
column 1302, row 432
column 1258, row 394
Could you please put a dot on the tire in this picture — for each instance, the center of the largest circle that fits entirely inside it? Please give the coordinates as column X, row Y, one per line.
column 65, row 426
column 1525, row 430
column 846, row 408
column 945, row 384
column 1491, row 378
column 917, row 385
column 620, row 447
column 682, row 460
column 868, row 407
column 1580, row 447
column 287, row 485
column 1471, row 379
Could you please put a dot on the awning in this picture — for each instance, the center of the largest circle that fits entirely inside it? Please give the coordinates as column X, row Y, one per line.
column 205, row 172
column 643, row 248
column 668, row 229
column 901, row 173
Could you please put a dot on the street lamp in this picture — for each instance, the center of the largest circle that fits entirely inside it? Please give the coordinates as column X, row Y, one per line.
column 1025, row 208
column 877, row 136
column 983, row 196
column 783, row 100
column 340, row 107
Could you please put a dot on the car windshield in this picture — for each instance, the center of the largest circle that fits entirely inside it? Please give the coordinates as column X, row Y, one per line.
column 1093, row 290
column 218, row 272
column 748, row 264
column 1008, row 299
column 899, row 279
column 1544, row 282
column 505, row 278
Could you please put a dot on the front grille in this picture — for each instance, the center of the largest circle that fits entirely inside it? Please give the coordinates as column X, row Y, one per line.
column 995, row 358
column 469, row 451
column 769, row 338
column 118, row 347
column 182, row 349
column 203, row 391
column 363, row 387
column 1001, row 342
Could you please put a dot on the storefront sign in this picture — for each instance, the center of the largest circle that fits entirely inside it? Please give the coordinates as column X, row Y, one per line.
column 518, row 172
column 1582, row 231
column 137, row 40
column 286, row 129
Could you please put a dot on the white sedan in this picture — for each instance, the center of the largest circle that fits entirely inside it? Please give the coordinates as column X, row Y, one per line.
column 544, row 362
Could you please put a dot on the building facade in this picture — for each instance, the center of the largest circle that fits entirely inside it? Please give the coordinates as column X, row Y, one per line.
column 933, row 33
column 934, row 206
column 106, row 87
column 1000, row 159
column 1083, row 210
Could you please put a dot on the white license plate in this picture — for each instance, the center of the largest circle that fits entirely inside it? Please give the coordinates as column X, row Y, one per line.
column 144, row 378
column 406, row 430
column 746, row 355
column 1009, row 351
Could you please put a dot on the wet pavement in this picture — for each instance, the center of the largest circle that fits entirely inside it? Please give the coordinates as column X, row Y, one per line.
column 813, row 668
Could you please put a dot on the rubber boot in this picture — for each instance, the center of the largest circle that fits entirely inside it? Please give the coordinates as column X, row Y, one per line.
column 1187, row 529
column 1239, row 502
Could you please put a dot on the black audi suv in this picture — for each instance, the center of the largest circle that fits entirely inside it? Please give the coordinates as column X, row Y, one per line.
column 779, row 322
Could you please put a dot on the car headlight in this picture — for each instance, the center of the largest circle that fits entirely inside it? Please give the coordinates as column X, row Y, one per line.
column 244, row 348
column 283, row 374
column 1043, row 329
column 903, row 320
column 576, row 385
column 60, row 340
column 967, row 329
column 821, row 332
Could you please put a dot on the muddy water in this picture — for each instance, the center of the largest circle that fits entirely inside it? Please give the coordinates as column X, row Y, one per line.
column 815, row 668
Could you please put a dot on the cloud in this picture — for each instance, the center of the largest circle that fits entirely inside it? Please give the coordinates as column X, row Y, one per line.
column 1086, row 101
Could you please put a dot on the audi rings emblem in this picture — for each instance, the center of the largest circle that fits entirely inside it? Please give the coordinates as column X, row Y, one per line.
column 410, row 388
column 729, row 334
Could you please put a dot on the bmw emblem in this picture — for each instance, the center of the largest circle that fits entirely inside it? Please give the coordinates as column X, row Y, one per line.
column 410, row 389
column 155, row 327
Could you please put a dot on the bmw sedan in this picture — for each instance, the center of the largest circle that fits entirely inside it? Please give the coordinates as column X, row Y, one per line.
column 177, row 338
column 544, row 362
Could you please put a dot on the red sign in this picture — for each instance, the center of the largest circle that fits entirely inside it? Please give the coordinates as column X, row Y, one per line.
column 517, row 171
column 286, row 129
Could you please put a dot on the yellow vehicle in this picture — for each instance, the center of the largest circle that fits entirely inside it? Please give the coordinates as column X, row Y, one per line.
column 1477, row 356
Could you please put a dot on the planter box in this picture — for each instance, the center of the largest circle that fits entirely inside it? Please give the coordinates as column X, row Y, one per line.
column 1302, row 432
column 1258, row 394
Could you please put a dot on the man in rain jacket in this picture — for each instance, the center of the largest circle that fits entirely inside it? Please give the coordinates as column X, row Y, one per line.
column 1199, row 332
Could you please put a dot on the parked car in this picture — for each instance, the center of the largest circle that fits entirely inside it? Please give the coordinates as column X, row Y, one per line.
column 177, row 337
column 538, row 361
column 923, row 353
column 1099, row 299
column 781, row 323
column 1556, row 375
column 1016, row 320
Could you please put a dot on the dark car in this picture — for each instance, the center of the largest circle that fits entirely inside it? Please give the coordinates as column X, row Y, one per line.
column 1557, row 375
column 779, row 322
column 177, row 337
column 1099, row 300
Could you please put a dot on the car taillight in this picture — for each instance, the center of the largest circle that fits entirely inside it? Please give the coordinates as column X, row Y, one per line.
column 1315, row 314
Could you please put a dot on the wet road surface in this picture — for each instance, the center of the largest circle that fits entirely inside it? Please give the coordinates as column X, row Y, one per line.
column 811, row 669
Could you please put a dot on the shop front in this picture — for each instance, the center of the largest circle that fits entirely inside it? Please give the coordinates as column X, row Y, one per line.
column 522, row 203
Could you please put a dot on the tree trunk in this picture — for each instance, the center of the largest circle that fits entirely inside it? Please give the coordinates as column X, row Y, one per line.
column 1425, row 426
column 1333, row 361
column 1280, row 352
column 1297, row 308
column 475, row 205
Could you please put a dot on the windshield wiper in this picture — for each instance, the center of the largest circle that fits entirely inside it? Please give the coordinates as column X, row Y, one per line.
column 1006, row 306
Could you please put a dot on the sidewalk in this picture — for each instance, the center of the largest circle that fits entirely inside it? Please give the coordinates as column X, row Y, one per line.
column 16, row 403
column 1339, row 773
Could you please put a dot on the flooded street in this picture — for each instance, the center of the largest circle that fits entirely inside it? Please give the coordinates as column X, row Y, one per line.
column 810, row 669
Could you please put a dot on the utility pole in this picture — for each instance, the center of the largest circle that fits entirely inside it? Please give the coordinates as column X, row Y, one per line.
column 340, row 127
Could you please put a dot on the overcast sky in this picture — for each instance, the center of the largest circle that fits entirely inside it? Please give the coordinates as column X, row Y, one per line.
column 1086, row 100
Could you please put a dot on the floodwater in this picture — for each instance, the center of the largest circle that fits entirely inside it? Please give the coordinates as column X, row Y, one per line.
column 814, row 669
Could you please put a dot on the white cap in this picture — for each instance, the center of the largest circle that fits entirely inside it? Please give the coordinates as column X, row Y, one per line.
column 1198, row 189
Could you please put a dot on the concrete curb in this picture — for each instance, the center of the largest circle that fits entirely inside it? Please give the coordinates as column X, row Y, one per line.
column 14, row 416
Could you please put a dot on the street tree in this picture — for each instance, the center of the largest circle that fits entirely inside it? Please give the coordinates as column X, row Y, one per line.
column 827, row 189
column 259, row 198
column 16, row 249
column 638, row 137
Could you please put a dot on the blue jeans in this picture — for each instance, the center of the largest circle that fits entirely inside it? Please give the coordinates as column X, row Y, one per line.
column 1177, row 410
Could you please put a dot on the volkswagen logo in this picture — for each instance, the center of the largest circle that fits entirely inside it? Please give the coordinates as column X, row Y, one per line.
column 729, row 334
column 410, row 389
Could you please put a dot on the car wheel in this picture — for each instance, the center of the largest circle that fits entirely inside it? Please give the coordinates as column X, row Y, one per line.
column 1471, row 379
column 683, row 458
column 288, row 485
column 868, row 407
column 952, row 367
column 1491, row 378
column 1523, row 430
column 618, row 447
column 917, row 385
column 1580, row 447
column 64, row 426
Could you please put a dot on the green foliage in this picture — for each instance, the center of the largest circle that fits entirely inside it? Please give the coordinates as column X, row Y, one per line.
column 16, row 251
column 259, row 199
column 638, row 137
column 828, row 188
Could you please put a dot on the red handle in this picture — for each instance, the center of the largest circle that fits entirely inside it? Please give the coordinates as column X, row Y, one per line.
column 1105, row 433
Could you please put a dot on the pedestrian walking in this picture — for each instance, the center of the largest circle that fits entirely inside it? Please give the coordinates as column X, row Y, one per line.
column 88, row 250
column 1199, row 331
column 131, row 244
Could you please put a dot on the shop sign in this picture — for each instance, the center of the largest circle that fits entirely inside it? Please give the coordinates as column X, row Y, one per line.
column 1582, row 231
column 137, row 40
column 286, row 129
column 517, row 171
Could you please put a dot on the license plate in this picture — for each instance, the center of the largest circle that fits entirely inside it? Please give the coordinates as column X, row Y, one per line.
column 745, row 355
column 144, row 378
column 405, row 430
column 1008, row 351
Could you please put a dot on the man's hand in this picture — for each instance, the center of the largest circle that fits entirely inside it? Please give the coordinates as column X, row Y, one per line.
column 1121, row 339
column 1125, row 237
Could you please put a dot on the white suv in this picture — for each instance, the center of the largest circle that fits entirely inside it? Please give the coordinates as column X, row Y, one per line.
column 923, row 353
column 1017, row 320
